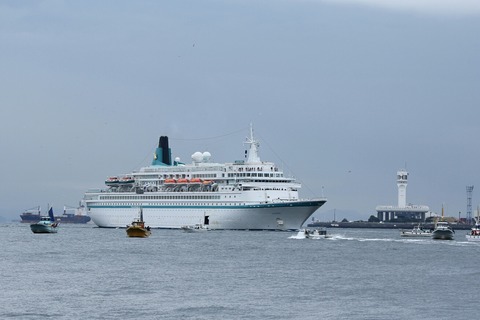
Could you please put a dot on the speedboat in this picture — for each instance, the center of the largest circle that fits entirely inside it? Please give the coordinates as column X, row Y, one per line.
column 311, row 234
column 318, row 234
column 417, row 232
column 195, row 228
column 46, row 224
column 137, row 228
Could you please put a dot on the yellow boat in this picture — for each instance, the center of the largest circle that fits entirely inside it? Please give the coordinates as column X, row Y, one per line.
column 138, row 229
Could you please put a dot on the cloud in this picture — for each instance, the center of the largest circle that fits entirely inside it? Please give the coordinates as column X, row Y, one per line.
column 439, row 7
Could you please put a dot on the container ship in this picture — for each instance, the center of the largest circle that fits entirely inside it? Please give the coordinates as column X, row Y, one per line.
column 247, row 194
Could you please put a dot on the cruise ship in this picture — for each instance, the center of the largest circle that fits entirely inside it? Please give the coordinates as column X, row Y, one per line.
column 247, row 194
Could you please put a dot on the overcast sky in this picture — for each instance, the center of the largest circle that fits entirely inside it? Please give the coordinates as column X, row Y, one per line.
column 341, row 93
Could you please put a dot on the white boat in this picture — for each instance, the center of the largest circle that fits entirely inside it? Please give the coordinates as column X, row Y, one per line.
column 474, row 234
column 194, row 228
column 318, row 234
column 46, row 224
column 416, row 232
column 244, row 194
column 311, row 234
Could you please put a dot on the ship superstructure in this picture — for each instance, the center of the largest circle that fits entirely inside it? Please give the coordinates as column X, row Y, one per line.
column 245, row 194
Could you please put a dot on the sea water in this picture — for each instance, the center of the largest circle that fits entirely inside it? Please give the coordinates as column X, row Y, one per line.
column 85, row 272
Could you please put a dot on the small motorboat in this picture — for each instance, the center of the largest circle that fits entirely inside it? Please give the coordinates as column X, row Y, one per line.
column 46, row 224
column 318, row 234
column 195, row 228
column 417, row 232
column 474, row 234
column 137, row 228
column 311, row 234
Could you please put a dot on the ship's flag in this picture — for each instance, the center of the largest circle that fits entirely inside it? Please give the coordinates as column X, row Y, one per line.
column 50, row 214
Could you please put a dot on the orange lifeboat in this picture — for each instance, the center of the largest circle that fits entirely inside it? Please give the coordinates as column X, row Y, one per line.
column 196, row 180
column 170, row 181
column 182, row 181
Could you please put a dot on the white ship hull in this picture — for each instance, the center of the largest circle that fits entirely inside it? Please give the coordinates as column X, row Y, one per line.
column 280, row 216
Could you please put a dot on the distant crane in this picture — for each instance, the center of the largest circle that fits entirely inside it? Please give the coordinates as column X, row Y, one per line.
column 469, row 204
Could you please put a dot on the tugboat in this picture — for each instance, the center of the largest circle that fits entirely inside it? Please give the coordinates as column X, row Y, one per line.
column 137, row 228
column 46, row 224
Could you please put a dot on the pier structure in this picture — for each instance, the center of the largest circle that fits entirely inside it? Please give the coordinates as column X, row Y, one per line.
column 402, row 211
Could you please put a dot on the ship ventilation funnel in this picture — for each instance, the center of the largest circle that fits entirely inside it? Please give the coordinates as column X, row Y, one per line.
column 166, row 153
column 163, row 154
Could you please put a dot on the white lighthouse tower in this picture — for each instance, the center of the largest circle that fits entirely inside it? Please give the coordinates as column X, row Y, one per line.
column 402, row 212
column 402, row 176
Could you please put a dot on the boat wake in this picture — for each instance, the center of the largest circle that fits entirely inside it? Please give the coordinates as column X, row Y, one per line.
column 457, row 242
column 419, row 241
column 325, row 237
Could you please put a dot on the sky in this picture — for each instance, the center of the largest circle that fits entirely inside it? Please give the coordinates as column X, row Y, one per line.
column 341, row 94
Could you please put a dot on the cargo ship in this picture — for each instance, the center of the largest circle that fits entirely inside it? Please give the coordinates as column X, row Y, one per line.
column 70, row 215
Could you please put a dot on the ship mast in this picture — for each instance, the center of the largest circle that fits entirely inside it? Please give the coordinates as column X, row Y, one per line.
column 253, row 150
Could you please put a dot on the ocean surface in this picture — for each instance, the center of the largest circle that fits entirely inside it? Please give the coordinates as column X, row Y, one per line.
column 84, row 272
